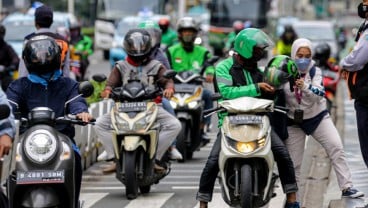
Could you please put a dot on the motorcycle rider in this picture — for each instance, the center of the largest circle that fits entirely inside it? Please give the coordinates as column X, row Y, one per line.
column 137, row 44
column 43, row 21
column 81, row 44
column 46, row 87
column 237, row 27
column 188, row 56
column 8, row 60
column 239, row 76
column 7, row 133
column 169, row 36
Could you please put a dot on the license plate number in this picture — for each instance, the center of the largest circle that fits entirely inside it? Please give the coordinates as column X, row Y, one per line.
column 133, row 107
column 245, row 119
column 44, row 176
column 184, row 88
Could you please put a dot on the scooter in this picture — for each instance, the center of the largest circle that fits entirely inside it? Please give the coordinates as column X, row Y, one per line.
column 44, row 174
column 246, row 161
column 330, row 79
column 135, row 137
column 188, row 105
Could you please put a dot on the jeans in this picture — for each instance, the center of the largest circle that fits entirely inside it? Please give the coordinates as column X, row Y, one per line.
column 208, row 104
column 362, row 121
column 281, row 155
column 167, row 106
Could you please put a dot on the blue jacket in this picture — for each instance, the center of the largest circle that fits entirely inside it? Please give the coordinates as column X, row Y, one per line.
column 29, row 95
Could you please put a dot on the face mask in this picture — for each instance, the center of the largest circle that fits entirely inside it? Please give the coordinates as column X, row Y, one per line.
column 362, row 9
column 302, row 64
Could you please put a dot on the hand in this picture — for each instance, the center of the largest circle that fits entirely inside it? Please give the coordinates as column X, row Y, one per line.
column 209, row 78
column 5, row 145
column 105, row 93
column 85, row 116
column 266, row 87
column 299, row 83
column 168, row 93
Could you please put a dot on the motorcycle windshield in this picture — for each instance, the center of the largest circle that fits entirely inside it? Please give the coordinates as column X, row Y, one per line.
column 247, row 104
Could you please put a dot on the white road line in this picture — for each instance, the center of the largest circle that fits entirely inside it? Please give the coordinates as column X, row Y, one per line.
column 217, row 202
column 91, row 198
column 151, row 200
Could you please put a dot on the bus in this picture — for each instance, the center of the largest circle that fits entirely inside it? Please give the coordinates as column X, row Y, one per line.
column 224, row 12
column 110, row 12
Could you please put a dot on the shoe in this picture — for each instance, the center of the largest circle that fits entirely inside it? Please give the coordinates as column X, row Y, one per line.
column 204, row 142
column 103, row 157
column 174, row 154
column 110, row 169
column 292, row 205
column 352, row 193
column 159, row 169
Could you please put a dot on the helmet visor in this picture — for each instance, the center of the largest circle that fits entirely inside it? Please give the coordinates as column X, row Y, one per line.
column 261, row 39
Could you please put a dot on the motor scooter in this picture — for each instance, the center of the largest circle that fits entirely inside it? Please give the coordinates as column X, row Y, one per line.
column 188, row 105
column 44, row 174
column 135, row 136
column 246, row 161
column 330, row 79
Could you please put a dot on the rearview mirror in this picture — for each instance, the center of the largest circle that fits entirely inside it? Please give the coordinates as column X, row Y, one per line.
column 213, row 60
column 86, row 88
column 169, row 74
column 99, row 77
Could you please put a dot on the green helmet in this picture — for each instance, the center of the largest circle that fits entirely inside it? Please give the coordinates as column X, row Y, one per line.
column 249, row 38
column 279, row 70
column 153, row 29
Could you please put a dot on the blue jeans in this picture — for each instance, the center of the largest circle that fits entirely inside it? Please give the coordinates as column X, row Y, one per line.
column 167, row 106
column 281, row 156
column 362, row 121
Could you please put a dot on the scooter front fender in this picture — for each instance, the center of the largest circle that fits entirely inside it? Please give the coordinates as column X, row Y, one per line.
column 131, row 143
column 40, row 197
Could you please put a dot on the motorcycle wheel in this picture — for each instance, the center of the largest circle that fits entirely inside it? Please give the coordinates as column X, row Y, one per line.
column 131, row 183
column 246, row 200
column 144, row 189
column 181, row 145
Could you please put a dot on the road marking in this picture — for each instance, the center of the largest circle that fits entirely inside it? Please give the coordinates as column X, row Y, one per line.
column 217, row 202
column 151, row 200
column 91, row 198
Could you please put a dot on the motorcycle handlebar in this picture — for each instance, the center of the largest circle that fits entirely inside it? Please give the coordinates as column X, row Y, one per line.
column 72, row 119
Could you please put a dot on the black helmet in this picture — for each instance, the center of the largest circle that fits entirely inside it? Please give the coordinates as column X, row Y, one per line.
column 41, row 55
column 137, row 43
column 322, row 53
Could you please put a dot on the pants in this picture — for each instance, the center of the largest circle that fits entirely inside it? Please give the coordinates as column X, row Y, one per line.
column 327, row 135
column 211, row 169
column 169, row 130
column 208, row 104
column 362, row 122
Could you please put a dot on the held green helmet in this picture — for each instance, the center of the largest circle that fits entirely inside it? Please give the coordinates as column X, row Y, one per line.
column 279, row 70
column 248, row 39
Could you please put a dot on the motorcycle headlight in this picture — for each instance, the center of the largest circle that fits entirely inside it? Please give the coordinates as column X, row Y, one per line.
column 121, row 123
column 142, row 123
column 246, row 147
column 174, row 102
column 40, row 146
column 193, row 104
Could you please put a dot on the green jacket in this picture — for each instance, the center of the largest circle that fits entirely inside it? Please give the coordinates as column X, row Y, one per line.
column 85, row 44
column 229, row 89
column 181, row 60
column 230, row 40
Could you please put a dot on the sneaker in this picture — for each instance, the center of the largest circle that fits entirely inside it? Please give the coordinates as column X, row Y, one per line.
column 352, row 193
column 292, row 205
column 204, row 142
column 159, row 169
column 109, row 169
column 103, row 157
column 174, row 154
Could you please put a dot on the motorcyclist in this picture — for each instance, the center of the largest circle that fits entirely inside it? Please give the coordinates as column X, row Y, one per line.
column 169, row 36
column 7, row 133
column 237, row 27
column 239, row 76
column 46, row 87
column 137, row 44
column 81, row 44
column 188, row 56
column 9, row 60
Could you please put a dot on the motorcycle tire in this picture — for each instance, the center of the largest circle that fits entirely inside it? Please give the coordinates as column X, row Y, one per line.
column 131, row 182
column 145, row 189
column 246, row 199
column 181, row 144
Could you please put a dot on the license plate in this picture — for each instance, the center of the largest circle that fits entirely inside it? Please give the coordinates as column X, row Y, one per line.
column 184, row 88
column 133, row 107
column 245, row 119
column 42, row 176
